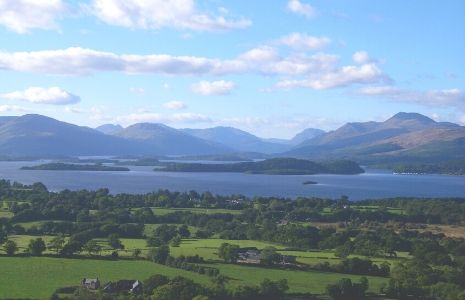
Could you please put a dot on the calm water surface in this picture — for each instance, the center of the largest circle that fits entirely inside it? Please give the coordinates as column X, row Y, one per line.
column 373, row 184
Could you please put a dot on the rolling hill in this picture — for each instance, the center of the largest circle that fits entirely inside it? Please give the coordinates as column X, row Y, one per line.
column 402, row 137
column 238, row 140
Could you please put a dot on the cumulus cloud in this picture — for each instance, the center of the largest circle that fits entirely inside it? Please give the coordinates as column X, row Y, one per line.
column 155, row 14
column 174, row 105
column 211, row 88
column 301, row 8
column 320, row 70
column 362, row 57
column 446, row 97
column 81, row 61
column 302, row 41
column 367, row 73
column 39, row 95
column 21, row 16
column 12, row 108
column 260, row 54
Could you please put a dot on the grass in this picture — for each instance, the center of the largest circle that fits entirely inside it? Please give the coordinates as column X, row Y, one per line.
column 23, row 241
column 5, row 214
column 299, row 281
column 38, row 277
column 159, row 211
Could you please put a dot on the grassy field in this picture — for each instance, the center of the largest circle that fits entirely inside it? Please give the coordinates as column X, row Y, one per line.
column 45, row 274
column 5, row 214
column 159, row 211
column 38, row 277
column 299, row 281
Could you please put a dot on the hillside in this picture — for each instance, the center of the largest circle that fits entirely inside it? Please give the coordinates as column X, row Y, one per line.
column 40, row 135
column 169, row 141
column 399, row 138
column 238, row 140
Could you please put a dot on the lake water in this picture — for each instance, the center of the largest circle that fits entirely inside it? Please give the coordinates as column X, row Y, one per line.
column 372, row 184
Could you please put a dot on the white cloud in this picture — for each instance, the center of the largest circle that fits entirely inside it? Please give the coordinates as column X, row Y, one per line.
column 155, row 14
column 301, row 65
column 445, row 97
column 80, row 61
column 73, row 110
column 210, row 88
column 320, row 70
column 137, row 91
column 368, row 73
column 302, row 41
column 23, row 15
column 361, row 57
column 12, row 108
column 301, row 8
column 174, row 105
column 260, row 54
column 39, row 95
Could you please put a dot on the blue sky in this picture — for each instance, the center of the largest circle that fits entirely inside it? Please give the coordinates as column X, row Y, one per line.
column 269, row 67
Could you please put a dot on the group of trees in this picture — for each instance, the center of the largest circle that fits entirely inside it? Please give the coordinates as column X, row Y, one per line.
column 179, row 288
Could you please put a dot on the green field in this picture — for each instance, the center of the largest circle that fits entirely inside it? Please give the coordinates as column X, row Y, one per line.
column 5, row 214
column 158, row 211
column 38, row 277
column 43, row 274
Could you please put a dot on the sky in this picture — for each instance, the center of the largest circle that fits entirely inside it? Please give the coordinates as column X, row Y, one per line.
column 272, row 68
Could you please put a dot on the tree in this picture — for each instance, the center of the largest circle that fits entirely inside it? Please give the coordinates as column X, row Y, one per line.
column 228, row 252
column 71, row 247
column 36, row 247
column 154, row 282
column 162, row 235
column 57, row 243
column 115, row 242
column 10, row 247
column 269, row 256
column 176, row 241
column 273, row 289
column 3, row 235
column 92, row 247
column 184, row 231
column 346, row 290
column 160, row 254
column 136, row 252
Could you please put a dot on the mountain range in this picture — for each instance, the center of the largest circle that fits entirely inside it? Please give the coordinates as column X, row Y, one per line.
column 403, row 137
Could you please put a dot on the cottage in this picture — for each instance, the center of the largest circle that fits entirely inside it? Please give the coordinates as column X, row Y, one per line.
column 249, row 255
column 124, row 286
column 91, row 284
column 288, row 259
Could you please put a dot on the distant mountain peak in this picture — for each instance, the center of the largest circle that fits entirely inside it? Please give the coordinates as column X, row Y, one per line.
column 406, row 116
column 109, row 128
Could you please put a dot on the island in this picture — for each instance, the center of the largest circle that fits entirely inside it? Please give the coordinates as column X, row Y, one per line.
column 273, row 166
column 74, row 167
column 141, row 162
column 309, row 182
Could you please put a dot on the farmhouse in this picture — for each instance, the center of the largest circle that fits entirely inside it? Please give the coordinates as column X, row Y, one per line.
column 91, row 284
column 249, row 255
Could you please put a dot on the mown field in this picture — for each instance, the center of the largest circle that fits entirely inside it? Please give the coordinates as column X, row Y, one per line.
column 43, row 275
column 38, row 277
